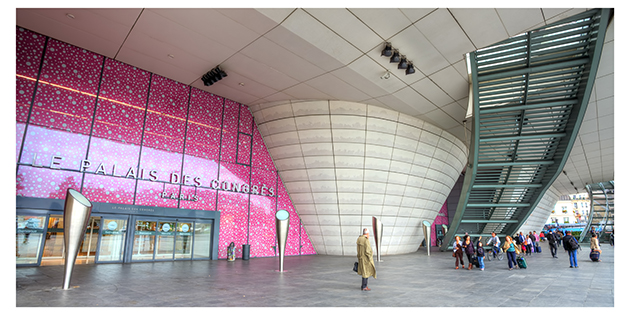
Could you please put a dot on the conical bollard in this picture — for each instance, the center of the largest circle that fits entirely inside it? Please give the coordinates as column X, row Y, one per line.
column 76, row 216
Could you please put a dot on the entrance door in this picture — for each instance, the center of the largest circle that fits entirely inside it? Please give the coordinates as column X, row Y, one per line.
column 29, row 238
column 160, row 239
column 184, row 240
column 165, row 240
column 87, row 251
column 143, row 240
column 112, row 245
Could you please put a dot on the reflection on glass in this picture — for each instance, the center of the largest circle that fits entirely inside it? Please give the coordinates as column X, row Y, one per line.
column 113, row 240
column 87, row 251
column 53, row 247
column 144, row 240
column 203, row 235
column 183, row 240
column 28, row 238
column 165, row 239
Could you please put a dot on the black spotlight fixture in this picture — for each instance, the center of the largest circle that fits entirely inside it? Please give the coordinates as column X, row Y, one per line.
column 213, row 76
column 387, row 51
column 403, row 63
column 410, row 69
column 395, row 57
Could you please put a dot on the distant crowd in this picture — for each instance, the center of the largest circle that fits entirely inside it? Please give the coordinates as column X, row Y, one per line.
column 521, row 245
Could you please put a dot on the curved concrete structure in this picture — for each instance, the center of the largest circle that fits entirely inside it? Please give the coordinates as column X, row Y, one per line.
column 539, row 216
column 344, row 162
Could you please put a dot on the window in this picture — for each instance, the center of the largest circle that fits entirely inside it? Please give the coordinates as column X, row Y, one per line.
column 566, row 219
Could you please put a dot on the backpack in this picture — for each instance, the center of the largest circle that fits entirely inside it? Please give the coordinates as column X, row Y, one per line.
column 573, row 243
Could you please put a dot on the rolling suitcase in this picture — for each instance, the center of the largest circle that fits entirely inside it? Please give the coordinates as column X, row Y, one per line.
column 522, row 263
column 475, row 261
column 538, row 249
column 594, row 255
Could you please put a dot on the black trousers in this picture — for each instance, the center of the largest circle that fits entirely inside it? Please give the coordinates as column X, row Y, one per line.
column 364, row 283
column 553, row 249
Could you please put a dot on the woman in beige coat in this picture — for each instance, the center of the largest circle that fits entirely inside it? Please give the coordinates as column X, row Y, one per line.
column 366, row 262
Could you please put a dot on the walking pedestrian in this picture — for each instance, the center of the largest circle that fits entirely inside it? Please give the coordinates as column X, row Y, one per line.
column 553, row 244
column 571, row 245
column 480, row 254
column 511, row 249
column 469, row 249
column 366, row 267
column 458, row 252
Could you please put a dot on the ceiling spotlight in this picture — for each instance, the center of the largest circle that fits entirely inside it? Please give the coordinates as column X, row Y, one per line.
column 395, row 57
column 387, row 51
column 213, row 76
column 403, row 63
column 410, row 69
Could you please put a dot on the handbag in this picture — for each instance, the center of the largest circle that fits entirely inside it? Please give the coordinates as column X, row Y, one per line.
column 356, row 266
column 453, row 254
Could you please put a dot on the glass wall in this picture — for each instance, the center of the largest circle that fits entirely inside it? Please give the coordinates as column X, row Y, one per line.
column 122, row 135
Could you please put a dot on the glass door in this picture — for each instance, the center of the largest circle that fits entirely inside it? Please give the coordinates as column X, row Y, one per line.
column 144, row 240
column 113, row 234
column 87, row 251
column 165, row 240
column 53, row 248
column 184, row 240
column 203, row 239
column 29, row 237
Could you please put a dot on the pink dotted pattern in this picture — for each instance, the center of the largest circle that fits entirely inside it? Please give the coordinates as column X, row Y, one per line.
column 441, row 218
column 123, row 135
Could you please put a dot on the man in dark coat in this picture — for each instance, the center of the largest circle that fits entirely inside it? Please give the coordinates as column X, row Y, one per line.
column 553, row 246
column 366, row 261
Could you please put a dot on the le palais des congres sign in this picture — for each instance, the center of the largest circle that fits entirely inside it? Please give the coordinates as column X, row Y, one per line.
column 86, row 166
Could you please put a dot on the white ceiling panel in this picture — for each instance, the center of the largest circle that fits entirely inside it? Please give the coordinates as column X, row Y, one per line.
column 197, row 20
column 276, row 15
column 483, row 26
column 446, row 35
column 275, row 56
column 251, row 18
column 297, row 45
column 304, row 91
column 419, row 50
column 385, row 22
column 316, row 33
column 563, row 15
column 451, row 82
column 442, row 119
column 372, row 71
column 337, row 88
column 254, row 70
column 432, row 92
column 516, row 21
column 98, row 30
column 415, row 14
column 417, row 103
column 344, row 23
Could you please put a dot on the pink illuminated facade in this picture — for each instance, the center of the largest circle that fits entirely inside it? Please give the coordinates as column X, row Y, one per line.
column 122, row 135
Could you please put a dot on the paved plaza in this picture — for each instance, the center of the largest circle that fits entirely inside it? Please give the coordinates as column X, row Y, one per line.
column 410, row 280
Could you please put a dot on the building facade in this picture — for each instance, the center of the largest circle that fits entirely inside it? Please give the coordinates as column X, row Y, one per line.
column 174, row 172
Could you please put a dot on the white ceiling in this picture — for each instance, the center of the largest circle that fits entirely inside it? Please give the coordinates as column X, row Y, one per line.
column 279, row 54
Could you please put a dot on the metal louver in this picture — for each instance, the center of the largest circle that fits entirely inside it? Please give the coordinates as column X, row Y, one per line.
column 602, row 213
column 529, row 95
